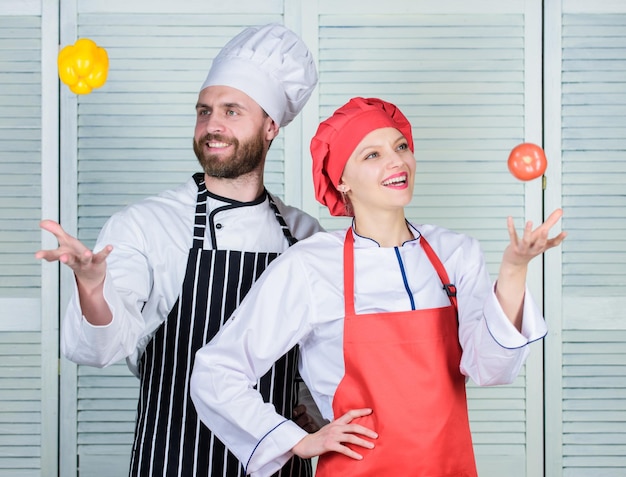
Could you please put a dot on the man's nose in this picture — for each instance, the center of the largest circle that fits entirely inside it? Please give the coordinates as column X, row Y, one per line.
column 214, row 124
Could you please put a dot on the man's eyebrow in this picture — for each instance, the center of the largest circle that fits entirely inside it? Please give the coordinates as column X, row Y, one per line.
column 233, row 105
column 226, row 105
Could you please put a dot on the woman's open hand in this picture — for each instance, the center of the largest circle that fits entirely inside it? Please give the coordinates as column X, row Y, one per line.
column 511, row 281
column 522, row 250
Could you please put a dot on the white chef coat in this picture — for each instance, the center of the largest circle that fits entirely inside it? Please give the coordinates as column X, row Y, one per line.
column 300, row 300
column 145, row 270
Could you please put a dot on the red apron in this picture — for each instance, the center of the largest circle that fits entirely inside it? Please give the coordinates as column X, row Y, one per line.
column 404, row 366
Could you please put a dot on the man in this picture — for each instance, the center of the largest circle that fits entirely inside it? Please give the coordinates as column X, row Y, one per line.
column 172, row 268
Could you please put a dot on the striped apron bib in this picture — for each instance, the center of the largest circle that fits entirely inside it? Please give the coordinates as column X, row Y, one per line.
column 170, row 439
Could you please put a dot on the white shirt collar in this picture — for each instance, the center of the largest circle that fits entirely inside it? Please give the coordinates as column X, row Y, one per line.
column 361, row 241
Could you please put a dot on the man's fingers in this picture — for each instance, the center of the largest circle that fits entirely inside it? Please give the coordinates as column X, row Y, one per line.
column 301, row 417
column 54, row 228
column 70, row 250
column 99, row 257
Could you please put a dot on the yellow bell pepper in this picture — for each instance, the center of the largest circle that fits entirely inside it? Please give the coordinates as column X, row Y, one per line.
column 83, row 66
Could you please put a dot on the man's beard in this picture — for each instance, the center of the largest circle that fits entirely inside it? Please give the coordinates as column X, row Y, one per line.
column 246, row 157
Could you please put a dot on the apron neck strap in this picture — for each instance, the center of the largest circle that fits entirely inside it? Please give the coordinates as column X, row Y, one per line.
column 450, row 288
column 281, row 221
column 199, row 226
column 348, row 274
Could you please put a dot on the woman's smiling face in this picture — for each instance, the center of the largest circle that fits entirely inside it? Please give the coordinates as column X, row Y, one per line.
column 380, row 172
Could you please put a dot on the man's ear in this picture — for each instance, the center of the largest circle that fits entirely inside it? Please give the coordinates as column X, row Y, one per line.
column 272, row 129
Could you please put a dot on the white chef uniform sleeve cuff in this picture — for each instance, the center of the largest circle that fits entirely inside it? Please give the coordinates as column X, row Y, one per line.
column 93, row 345
column 274, row 450
column 503, row 331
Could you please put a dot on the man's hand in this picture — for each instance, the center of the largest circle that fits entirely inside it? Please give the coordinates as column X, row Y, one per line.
column 303, row 419
column 89, row 269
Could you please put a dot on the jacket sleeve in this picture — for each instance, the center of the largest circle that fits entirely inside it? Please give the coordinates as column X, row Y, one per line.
column 126, row 289
column 493, row 350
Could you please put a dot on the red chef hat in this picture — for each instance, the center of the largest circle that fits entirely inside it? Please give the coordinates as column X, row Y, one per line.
column 336, row 138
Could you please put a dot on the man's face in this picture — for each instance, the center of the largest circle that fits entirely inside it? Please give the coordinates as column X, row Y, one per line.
column 232, row 133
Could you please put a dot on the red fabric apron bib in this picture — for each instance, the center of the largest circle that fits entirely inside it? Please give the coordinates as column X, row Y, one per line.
column 405, row 366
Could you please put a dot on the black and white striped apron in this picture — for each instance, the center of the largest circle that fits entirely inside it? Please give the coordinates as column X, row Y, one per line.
column 170, row 440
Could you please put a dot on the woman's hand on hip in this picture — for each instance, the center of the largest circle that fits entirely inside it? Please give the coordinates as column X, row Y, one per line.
column 333, row 437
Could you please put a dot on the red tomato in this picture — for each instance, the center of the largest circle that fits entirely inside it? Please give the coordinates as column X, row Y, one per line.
column 527, row 161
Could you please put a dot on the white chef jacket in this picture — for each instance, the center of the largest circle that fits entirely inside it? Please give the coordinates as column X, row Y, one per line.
column 300, row 300
column 146, row 268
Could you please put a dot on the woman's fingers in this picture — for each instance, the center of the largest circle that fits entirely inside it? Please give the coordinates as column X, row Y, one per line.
column 353, row 414
column 553, row 218
column 550, row 222
column 357, row 428
column 540, row 237
column 347, row 432
column 334, row 436
column 536, row 241
column 353, row 439
column 556, row 241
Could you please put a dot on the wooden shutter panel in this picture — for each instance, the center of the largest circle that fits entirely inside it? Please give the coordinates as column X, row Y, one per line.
column 28, row 353
column 587, row 378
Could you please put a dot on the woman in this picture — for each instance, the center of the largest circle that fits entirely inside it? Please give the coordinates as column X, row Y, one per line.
column 391, row 319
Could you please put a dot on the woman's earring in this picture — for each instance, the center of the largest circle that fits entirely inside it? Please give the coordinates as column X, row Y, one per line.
column 346, row 202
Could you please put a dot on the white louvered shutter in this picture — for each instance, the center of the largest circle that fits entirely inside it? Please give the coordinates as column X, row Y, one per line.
column 467, row 80
column 134, row 139
column 467, row 75
column 586, row 285
column 28, row 318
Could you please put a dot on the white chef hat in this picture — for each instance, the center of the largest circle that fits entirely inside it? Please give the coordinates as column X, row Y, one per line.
column 272, row 65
